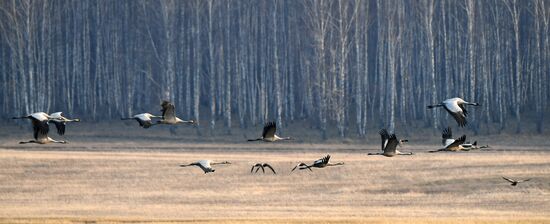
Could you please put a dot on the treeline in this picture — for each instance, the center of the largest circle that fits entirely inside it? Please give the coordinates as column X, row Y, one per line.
column 346, row 64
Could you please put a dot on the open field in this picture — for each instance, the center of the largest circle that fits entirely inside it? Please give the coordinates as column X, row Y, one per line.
column 116, row 176
column 114, row 185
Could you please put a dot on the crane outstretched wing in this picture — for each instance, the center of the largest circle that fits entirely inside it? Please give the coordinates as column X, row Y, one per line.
column 384, row 136
column 252, row 169
column 269, row 130
column 40, row 129
column 509, row 180
column 60, row 126
column 145, row 124
column 456, row 111
column 447, row 133
column 464, row 111
column 447, row 136
column 260, row 167
column 168, row 110
column 323, row 160
column 301, row 164
column 459, row 117
column 457, row 142
column 392, row 144
column 270, row 167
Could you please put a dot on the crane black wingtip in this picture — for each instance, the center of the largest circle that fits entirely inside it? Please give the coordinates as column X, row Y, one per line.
column 383, row 132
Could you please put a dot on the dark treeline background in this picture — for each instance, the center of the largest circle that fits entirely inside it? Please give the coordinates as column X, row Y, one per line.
column 339, row 64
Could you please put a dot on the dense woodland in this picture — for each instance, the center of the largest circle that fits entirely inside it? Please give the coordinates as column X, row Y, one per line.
column 339, row 64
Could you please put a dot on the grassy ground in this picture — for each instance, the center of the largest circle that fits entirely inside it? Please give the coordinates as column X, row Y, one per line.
column 129, row 179
column 150, row 185
column 277, row 221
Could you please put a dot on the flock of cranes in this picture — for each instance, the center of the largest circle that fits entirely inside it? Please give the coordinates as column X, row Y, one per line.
column 454, row 106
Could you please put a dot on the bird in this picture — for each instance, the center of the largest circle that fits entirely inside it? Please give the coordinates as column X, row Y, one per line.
column 268, row 134
column 515, row 182
column 144, row 119
column 56, row 118
column 262, row 165
column 452, row 144
column 60, row 121
column 320, row 163
column 385, row 136
column 389, row 145
column 40, row 116
column 205, row 165
column 455, row 107
column 169, row 114
column 40, row 130
column 447, row 139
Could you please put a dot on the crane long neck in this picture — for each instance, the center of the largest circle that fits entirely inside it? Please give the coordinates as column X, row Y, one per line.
column 282, row 138
column 436, row 105
column 252, row 140
column 178, row 120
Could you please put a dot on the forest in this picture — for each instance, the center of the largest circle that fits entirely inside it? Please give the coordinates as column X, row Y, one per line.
column 335, row 64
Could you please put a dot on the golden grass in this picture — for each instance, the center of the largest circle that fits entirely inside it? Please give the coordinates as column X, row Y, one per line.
column 275, row 221
column 147, row 186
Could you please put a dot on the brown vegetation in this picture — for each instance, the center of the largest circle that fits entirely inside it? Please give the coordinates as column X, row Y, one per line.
column 114, row 185
column 109, row 174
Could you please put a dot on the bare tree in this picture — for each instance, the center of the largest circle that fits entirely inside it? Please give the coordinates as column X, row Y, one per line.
column 351, row 64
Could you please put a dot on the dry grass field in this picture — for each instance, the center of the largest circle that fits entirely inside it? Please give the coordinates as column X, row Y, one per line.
column 139, row 181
